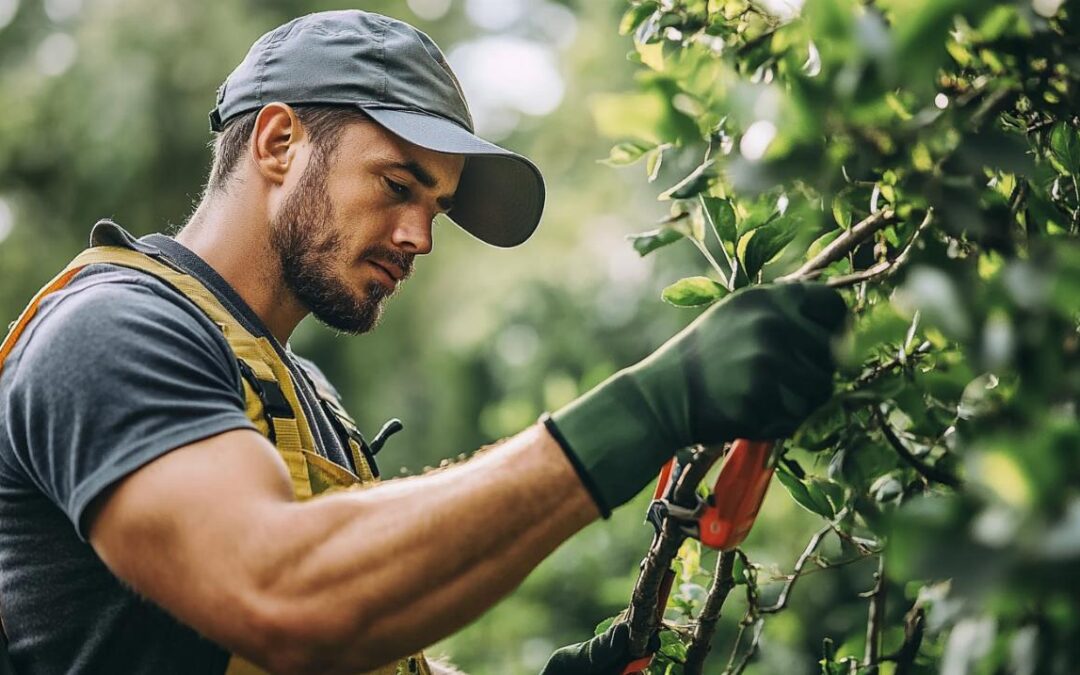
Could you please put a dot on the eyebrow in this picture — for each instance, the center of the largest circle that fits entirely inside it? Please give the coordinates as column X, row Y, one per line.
column 424, row 177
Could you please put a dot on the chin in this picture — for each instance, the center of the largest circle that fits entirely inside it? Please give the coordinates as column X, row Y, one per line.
column 357, row 314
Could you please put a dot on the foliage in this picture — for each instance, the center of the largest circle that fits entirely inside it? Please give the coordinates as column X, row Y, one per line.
column 922, row 155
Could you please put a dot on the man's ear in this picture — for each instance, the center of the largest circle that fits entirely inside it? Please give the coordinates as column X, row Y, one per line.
column 275, row 141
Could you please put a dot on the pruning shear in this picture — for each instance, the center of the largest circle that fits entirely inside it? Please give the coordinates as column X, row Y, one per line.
column 720, row 521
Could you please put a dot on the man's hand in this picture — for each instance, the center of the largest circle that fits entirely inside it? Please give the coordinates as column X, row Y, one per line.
column 754, row 365
column 605, row 654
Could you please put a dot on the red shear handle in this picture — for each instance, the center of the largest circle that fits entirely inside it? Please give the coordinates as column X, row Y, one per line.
column 737, row 496
column 638, row 665
column 662, row 481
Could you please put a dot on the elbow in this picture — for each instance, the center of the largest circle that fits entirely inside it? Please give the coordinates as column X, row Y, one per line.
column 298, row 637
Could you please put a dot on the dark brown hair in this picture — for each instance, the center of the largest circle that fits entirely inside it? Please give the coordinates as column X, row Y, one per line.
column 324, row 123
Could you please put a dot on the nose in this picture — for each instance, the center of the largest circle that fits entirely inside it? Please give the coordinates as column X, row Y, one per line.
column 412, row 233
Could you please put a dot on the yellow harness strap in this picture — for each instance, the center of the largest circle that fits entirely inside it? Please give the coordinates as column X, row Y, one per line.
column 286, row 425
column 292, row 436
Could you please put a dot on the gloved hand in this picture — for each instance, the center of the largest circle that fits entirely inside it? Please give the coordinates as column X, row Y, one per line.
column 753, row 365
column 605, row 654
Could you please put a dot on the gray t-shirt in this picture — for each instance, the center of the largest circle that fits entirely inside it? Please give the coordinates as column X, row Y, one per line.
column 114, row 371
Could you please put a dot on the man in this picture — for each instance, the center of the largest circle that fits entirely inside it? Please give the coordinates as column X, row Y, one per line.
column 175, row 483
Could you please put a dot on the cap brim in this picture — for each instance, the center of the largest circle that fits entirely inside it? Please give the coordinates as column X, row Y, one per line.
column 500, row 196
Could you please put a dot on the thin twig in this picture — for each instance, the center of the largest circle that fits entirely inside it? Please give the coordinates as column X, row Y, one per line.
column 701, row 642
column 875, row 622
column 886, row 367
column 927, row 471
column 988, row 105
column 730, row 280
column 914, row 628
column 759, row 625
column 811, row 547
column 1041, row 124
column 885, row 268
column 1076, row 212
column 842, row 245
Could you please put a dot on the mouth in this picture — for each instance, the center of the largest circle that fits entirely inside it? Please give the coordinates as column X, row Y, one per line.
column 391, row 273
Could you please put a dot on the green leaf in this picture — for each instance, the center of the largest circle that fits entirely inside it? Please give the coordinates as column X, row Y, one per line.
column 604, row 625
column 722, row 216
column 635, row 15
column 887, row 489
column 841, row 211
column 822, row 505
column 821, row 242
column 693, row 291
column 687, row 222
column 767, row 241
column 671, row 646
column 647, row 242
column 1065, row 149
column 805, row 494
column 627, row 153
column 694, row 184
column 834, row 491
column 738, row 571
column 654, row 161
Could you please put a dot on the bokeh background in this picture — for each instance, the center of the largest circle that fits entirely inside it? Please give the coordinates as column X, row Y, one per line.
column 103, row 113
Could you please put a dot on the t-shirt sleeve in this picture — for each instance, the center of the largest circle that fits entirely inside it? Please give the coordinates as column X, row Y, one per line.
column 111, row 377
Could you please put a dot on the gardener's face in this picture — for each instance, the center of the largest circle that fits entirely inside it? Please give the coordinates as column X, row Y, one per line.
column 349, row 231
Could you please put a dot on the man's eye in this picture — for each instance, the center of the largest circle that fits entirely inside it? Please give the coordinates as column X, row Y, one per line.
column 399, row 189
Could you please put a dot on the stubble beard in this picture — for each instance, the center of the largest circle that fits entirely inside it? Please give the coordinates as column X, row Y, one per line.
column 302, row 236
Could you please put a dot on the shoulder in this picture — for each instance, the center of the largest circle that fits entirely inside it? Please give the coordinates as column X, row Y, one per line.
column 107, row 313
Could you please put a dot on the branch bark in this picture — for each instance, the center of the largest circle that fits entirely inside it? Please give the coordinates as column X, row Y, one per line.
column 885, row 268
column 755, row 640
column 875, row 623
column 844, row 244
column 701, row 643
column 914, row 627
column 927, row 471
column 643, row 611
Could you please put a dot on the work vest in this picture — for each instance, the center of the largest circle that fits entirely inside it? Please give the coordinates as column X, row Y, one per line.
column 271, row 400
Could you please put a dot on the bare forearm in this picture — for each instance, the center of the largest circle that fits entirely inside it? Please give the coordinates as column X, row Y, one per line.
column 400, row 565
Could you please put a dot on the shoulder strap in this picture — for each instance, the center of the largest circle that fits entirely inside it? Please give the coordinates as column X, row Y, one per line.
column 272, row 402
column 362, row 455
column 19, row 325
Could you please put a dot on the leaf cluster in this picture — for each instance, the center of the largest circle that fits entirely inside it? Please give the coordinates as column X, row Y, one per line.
column 923, row 156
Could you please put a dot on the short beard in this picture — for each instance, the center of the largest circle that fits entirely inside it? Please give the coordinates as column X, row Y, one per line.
column 301, row 235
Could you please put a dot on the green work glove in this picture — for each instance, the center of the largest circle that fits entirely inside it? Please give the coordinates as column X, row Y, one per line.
column 605, row 654
column 753, row 365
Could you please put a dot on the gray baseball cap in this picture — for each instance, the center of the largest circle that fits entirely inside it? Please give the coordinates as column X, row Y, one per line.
column 397, row 76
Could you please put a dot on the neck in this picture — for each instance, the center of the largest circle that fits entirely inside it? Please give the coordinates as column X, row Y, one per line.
column 234, row 239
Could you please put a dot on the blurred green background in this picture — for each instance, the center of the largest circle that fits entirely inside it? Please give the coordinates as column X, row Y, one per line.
column 104, row 115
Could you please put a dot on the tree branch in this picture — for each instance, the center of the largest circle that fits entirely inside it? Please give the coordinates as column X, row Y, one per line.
column 927, row 471
column 643, row 612
column 885, row 268
column 701, row 642
column 844, row 244
column 914, row 628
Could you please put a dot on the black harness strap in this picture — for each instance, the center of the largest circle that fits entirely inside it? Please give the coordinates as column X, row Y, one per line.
column 274, row 403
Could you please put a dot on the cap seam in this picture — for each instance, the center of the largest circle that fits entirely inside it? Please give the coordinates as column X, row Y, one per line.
column 382, row 58
column 260, row 68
